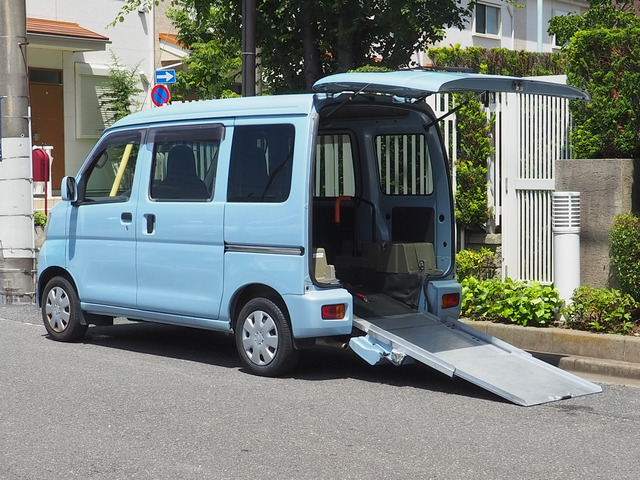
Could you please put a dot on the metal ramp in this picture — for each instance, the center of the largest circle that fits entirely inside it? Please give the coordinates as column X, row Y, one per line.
column 456, row 349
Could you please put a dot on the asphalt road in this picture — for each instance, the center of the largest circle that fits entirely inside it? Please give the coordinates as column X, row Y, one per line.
column 157, row 402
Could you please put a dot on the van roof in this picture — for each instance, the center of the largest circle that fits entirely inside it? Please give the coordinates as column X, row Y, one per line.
column 301, row 104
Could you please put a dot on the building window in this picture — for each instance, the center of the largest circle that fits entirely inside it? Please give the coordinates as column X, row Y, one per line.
column 487, row 19
column 91, row 117
column 558, row 13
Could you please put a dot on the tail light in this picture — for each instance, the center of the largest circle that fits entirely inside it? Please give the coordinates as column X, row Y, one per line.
column 450, row 300
column 334, row 312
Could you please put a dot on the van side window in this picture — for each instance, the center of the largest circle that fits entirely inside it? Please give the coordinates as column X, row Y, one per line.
column 185, row 160
column 109, row 177
column 404, row 164
column 334, row 172
column 261, row 163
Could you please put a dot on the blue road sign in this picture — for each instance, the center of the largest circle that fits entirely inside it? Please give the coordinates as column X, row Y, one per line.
column 165, row 76
column 160, row 95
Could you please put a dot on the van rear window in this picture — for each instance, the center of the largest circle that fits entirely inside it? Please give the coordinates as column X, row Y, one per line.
column 404, row 164
column 334, row 171
column 261, row 163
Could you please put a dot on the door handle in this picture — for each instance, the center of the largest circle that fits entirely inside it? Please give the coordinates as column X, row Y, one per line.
column 126, row 217
column 151, row 222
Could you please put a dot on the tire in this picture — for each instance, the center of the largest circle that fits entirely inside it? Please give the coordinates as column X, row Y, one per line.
column 264, row 340
column 61, row 311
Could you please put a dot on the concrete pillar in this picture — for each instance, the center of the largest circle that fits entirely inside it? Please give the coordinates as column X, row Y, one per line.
column 16, row 186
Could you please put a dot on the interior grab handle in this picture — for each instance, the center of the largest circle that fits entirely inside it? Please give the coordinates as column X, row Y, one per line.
column 339, row 200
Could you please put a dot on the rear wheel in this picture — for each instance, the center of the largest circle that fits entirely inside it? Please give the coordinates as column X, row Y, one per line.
column 61, row 311
column 264, row 339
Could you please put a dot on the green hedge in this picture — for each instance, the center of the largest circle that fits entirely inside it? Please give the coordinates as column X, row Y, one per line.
column 499, row 61
column 606, row 63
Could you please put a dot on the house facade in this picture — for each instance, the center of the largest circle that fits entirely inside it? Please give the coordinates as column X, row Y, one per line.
column 71, row 49
column 519, row 26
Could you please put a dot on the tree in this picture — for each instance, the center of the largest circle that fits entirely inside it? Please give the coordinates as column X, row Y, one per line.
column 601, row 14
column 301, row 41
column 603, row 53
column 214, row 61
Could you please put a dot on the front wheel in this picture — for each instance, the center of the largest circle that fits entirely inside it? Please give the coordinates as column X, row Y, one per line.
column 61, row 311
column 264, row 339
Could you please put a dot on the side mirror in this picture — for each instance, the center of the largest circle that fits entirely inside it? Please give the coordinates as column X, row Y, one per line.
column 69, row 189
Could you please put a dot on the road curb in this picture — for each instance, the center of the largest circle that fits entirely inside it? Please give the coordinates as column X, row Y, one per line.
column 596, row 353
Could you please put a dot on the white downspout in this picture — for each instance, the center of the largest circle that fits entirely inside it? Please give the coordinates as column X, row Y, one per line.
column 540, row 12
column 513, row 27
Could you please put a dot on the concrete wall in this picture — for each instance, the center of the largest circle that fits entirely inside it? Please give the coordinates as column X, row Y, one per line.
column 607, row 187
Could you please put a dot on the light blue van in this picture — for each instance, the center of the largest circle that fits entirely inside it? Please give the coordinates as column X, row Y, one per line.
column 284, row 220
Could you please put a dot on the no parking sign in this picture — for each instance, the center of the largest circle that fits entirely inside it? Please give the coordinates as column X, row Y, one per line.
column 160, row 95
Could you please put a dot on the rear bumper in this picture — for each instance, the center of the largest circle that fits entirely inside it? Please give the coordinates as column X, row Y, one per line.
column 306, row 313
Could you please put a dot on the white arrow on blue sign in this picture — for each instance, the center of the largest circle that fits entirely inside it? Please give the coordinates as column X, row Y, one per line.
column 165, row 76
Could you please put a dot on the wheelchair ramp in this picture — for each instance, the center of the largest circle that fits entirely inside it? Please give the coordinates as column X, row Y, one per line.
column 458, row 350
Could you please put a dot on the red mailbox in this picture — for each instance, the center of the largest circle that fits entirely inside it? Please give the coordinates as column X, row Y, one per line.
column 40, row 161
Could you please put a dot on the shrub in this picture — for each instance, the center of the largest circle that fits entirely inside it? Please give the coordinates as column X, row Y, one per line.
column 527, row 304
column 625, row 252
column 499, row 61
column 475, row 263
column 121, row 90
column 601, row 310
column 39, row 219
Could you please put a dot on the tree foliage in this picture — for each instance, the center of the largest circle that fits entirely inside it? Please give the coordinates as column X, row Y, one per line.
column 214, row 62
column 300, row 42
column 609, row 14
column 606, row 63
column 603, row 53
column 473, row 150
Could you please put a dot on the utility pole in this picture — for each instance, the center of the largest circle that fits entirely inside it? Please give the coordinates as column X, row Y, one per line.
column 16, row 186
column 248, row 48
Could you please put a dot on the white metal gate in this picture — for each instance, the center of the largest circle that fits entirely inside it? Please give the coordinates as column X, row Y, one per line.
column 534, row 135
column 530, row 135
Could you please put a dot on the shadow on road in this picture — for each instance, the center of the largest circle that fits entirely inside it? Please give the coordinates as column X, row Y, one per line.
column 316, row 364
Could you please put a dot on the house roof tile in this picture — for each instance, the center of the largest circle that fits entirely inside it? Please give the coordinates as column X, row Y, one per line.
column 61, row 29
